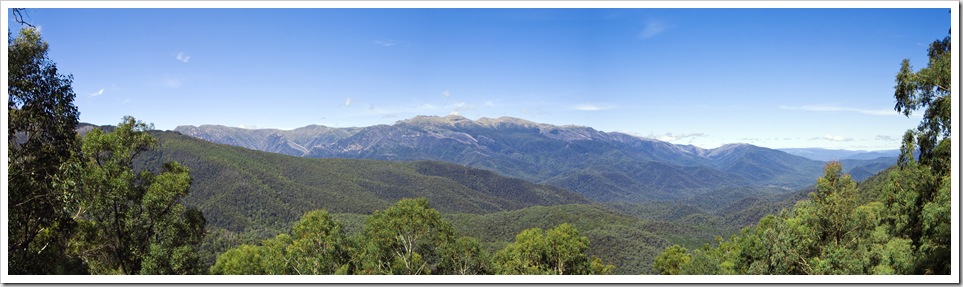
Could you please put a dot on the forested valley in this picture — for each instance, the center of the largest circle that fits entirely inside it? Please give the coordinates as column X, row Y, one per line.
column 128, row 199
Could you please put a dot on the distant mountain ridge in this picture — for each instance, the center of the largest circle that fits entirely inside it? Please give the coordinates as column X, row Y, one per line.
column 822, row 154
column 605, row 166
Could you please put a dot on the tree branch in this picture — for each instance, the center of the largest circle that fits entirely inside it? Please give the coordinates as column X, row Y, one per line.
column 18, row 17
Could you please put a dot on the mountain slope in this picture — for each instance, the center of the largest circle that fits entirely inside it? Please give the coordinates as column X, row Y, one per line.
column 239, row 189
column 295, row 142
column 766, row 166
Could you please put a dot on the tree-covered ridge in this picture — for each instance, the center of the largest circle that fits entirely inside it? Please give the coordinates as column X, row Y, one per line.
column 897, row 223
column 240, row 188
column 410, row 238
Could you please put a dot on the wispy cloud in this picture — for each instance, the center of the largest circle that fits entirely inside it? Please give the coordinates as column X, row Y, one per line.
column 173, row 82
column 886, row 138
column 652, row 28
column 347, row 102
column 592, row 107
column 829, row 108
column 446, row 93
column 250, row 127
column 97, row 93
column 385, row 43
column 184, row 58
column 460, row 107
column 671, row 137
column 833, row 138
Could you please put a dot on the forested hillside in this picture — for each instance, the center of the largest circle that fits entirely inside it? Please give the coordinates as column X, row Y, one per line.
column 240, row 188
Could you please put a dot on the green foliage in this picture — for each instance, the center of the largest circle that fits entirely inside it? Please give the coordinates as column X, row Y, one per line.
column 669, row 262
column 466, row 257
column 559, row 251
column 407, row 238
column 919, row 190
column 919, row 205
column 929, row 89
column 133, row 223
column 245, row 259
column 319, row 245
column 41, row 138
column 829, row 234
column 316, row 245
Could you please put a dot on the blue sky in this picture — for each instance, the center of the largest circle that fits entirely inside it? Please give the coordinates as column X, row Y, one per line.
column 771, row 77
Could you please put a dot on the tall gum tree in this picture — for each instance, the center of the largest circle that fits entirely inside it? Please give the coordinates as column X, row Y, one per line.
column 41, row 137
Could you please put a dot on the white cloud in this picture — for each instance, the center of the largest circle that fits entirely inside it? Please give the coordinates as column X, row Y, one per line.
column 651, row 29
column 445, row 93
column 100, row 92
column 827, row 108
column 591, row 107
column 347, row 102
column 489, row 104
column 182, row 57
column 427, row 107
column 243, row 126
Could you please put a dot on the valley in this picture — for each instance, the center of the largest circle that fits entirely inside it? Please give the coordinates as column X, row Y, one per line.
column 492, row 178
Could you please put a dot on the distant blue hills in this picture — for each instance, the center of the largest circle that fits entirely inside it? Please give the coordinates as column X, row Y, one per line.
column 822, row 154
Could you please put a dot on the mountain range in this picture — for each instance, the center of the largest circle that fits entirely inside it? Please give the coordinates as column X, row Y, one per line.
column 603, row 166
column 840, row 154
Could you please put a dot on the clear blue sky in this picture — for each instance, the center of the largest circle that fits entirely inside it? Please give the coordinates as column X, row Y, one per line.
column 770, row 77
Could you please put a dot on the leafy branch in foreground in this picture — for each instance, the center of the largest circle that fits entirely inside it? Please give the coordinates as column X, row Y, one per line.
column 129, row 222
